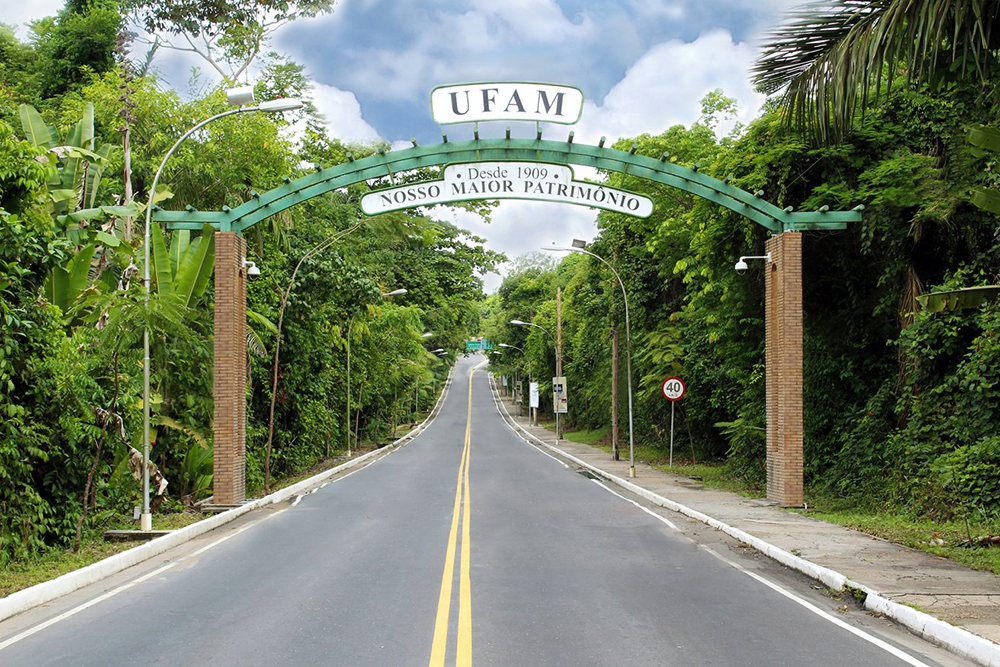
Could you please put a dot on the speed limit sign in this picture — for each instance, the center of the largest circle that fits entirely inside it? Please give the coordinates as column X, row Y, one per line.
column 673, row 389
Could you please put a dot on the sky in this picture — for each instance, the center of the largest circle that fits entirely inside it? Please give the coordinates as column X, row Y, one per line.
column 643, row 66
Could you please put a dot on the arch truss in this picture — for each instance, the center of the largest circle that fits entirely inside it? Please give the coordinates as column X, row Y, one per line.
column 750, row 205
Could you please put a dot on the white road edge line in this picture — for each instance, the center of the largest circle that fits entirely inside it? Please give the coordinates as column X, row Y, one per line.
column 644, row 509
column 63, row 616
column 496, row 403
column 76, row 610
column 885, row 646
column 34, row 596
column 299, row 498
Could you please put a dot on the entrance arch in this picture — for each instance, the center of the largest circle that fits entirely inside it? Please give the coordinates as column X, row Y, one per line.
column 783, row 302
column 381, row 164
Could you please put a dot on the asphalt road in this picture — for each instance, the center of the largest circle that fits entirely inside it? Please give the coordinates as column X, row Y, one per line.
column 467, row 545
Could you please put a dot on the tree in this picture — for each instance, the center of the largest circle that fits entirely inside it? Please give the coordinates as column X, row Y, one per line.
column 79, row 41
column 227, row 34
column 837, row 56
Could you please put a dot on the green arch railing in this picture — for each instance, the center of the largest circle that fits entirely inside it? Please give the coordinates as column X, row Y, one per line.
column 293, row 192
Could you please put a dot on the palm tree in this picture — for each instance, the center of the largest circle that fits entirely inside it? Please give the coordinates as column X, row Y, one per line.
column 836, row 55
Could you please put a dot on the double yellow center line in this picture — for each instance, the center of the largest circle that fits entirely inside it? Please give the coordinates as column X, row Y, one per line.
column 461, row 514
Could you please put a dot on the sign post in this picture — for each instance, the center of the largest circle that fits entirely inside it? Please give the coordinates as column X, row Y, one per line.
column 533, row 403
column 673, row 389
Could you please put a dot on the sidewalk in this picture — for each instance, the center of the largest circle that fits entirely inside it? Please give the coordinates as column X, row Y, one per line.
column 941, row 588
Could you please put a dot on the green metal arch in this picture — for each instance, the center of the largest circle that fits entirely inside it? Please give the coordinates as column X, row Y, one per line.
column 381, row 164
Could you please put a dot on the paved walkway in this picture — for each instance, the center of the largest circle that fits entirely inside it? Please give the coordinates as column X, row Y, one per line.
column 944, row 589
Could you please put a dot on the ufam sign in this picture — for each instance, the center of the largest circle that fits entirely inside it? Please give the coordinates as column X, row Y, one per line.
column 535, row 102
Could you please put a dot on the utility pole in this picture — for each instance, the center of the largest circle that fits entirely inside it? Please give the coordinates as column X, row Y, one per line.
column 559, row 372
column 614, row 392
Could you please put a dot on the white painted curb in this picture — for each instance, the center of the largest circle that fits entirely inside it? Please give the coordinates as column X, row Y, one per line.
column 958, row 641
column 946, row 635
column 27, row 598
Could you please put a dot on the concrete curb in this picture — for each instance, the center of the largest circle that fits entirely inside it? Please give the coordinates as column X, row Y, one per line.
column 961, row 642
column 955, row 639
column 39, row 594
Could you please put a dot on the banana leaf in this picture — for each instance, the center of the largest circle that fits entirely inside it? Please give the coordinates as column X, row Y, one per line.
column 180, row 241
column 64, row 284
column 986, row 199
column 960, row 299
column 984, row 136
column 195, row 268
column 161, row 260
column 35, row 129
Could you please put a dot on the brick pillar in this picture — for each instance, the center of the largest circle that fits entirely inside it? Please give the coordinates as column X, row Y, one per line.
column 783, row 322
column 230, row 374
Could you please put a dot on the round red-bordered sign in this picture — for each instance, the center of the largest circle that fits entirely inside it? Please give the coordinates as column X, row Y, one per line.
column 673, row 389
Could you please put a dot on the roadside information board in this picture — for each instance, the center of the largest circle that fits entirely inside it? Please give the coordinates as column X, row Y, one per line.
column 533, row 395
column 560, row 404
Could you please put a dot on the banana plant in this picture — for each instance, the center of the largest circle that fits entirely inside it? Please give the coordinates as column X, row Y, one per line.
column 78, row 162
column 184, row 270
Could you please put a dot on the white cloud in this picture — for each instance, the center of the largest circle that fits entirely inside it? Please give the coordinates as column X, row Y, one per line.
column 664, row 87
column 19, row 13
column 342, row 113
column 657, row 9
column 536, row 20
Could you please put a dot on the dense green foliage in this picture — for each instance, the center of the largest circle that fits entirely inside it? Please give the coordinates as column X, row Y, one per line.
column 900, row 406
column 72, row 309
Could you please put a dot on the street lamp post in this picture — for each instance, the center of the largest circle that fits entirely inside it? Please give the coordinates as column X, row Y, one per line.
column 580, row 246
column 350, row 323
column 236, row 96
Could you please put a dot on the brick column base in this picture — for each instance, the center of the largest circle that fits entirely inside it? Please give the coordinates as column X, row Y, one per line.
column 783, row 322
column 230, row 372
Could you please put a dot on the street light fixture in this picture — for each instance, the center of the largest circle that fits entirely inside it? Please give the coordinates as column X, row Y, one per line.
column 238, row 96
column 427, row 334
column 395, row 292
column 522, row 323
column 581, row 246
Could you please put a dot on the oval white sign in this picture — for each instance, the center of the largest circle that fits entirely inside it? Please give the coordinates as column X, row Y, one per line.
column 506, row 100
